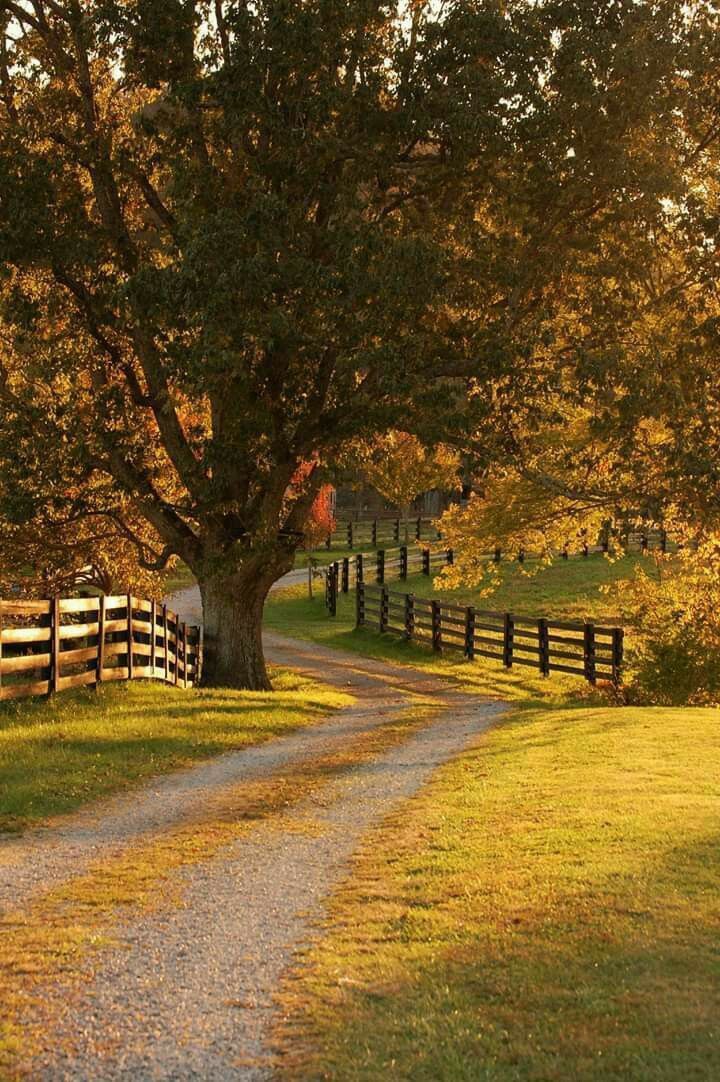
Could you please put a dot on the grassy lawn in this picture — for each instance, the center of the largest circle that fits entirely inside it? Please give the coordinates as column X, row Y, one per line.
column 58, row 754
column 545, row 910
column 566, row 588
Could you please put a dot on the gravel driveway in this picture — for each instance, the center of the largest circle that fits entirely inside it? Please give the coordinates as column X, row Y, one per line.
column 188, row 994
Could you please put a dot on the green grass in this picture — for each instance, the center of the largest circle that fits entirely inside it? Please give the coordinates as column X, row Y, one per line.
column 58, row 754
column 568, row 590
column 547, row 909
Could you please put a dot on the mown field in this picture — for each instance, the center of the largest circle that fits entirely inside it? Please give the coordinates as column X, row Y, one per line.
column 545, row 909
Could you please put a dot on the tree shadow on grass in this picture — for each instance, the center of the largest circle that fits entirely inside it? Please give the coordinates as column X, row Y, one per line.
column 617, row 981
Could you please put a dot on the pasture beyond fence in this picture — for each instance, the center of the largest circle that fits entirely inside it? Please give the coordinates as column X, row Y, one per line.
column 580, row 649
column 60, row 643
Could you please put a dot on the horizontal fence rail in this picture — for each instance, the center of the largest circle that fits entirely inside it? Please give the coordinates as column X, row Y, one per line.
column 343, row 574
column 381, row 531
column 580, row 649
column 50, row 646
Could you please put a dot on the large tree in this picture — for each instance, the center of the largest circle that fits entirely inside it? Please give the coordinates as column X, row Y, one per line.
column 235, row 236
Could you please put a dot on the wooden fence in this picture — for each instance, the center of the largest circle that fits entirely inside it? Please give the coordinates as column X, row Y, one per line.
column 341, row 575
column 381, row 531
column 581, row 649
column 50, row 646
column 392, row 531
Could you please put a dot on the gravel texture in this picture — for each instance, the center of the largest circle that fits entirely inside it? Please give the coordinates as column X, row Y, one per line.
column 188, row 995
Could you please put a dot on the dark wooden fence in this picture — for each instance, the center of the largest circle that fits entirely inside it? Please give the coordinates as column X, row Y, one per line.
column 343, row 574
column 61, row 643
column 374, row 532
column 581, row 649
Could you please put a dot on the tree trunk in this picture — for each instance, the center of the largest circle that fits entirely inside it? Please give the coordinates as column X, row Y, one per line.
column 232, row 621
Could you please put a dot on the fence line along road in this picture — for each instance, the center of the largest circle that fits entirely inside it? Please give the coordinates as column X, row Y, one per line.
column 580, row 649
column 61, row 643
column 341, row 575
column 379, row 531
column 390, row 531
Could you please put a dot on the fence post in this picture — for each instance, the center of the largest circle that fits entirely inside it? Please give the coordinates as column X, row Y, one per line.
column 663, row 541
column 565, row 551
column 359, row 568
column 617, row 654
column 418, row 528
column 396, row 530
column 403, row 562
column 331, row 584
column 585, row 549
column 1, row 627
column 166, row 636
column 373, row 535
column 436, row 625
column 380, row 566
column 328, row 542
column 130, row 659
column 497, row 556
column 544, row 646
column 153, row 629
column 176, row 677
column 644, row 543
column 589, row 652
column 449, row 556
column 426, row 561
column 185, row 656
column 102, row 610
column 521, row 556
column 508, row 637
column 345, row 574
column 200, row 649
column 470, row 633
column 605, row 541
column 55, row 644
column 409, row 615
column 359, row 603
column 350, row 534
column 383, row 608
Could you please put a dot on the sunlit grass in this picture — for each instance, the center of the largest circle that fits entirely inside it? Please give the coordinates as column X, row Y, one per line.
column 58, row 754
column 545, row 910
